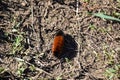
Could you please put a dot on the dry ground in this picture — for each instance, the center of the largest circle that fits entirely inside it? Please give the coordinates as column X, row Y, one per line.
column 27, row 29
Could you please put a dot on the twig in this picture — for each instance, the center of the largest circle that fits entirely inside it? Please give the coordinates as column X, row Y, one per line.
column 38, row 69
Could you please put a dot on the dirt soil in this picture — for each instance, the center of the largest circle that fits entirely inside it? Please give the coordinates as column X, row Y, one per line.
column 27, row 30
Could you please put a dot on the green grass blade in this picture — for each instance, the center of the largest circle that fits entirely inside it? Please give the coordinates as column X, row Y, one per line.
column 101, row 15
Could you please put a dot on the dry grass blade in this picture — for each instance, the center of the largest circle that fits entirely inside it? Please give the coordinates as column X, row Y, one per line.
column 38, row 69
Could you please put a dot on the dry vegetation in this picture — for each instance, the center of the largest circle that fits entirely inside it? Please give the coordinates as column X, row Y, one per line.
column 92, row 44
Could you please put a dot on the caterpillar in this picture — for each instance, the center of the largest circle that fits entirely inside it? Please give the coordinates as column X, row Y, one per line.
column 58, row 44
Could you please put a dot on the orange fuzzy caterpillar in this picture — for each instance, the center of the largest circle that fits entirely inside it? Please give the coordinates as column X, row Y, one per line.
column 58, row 44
